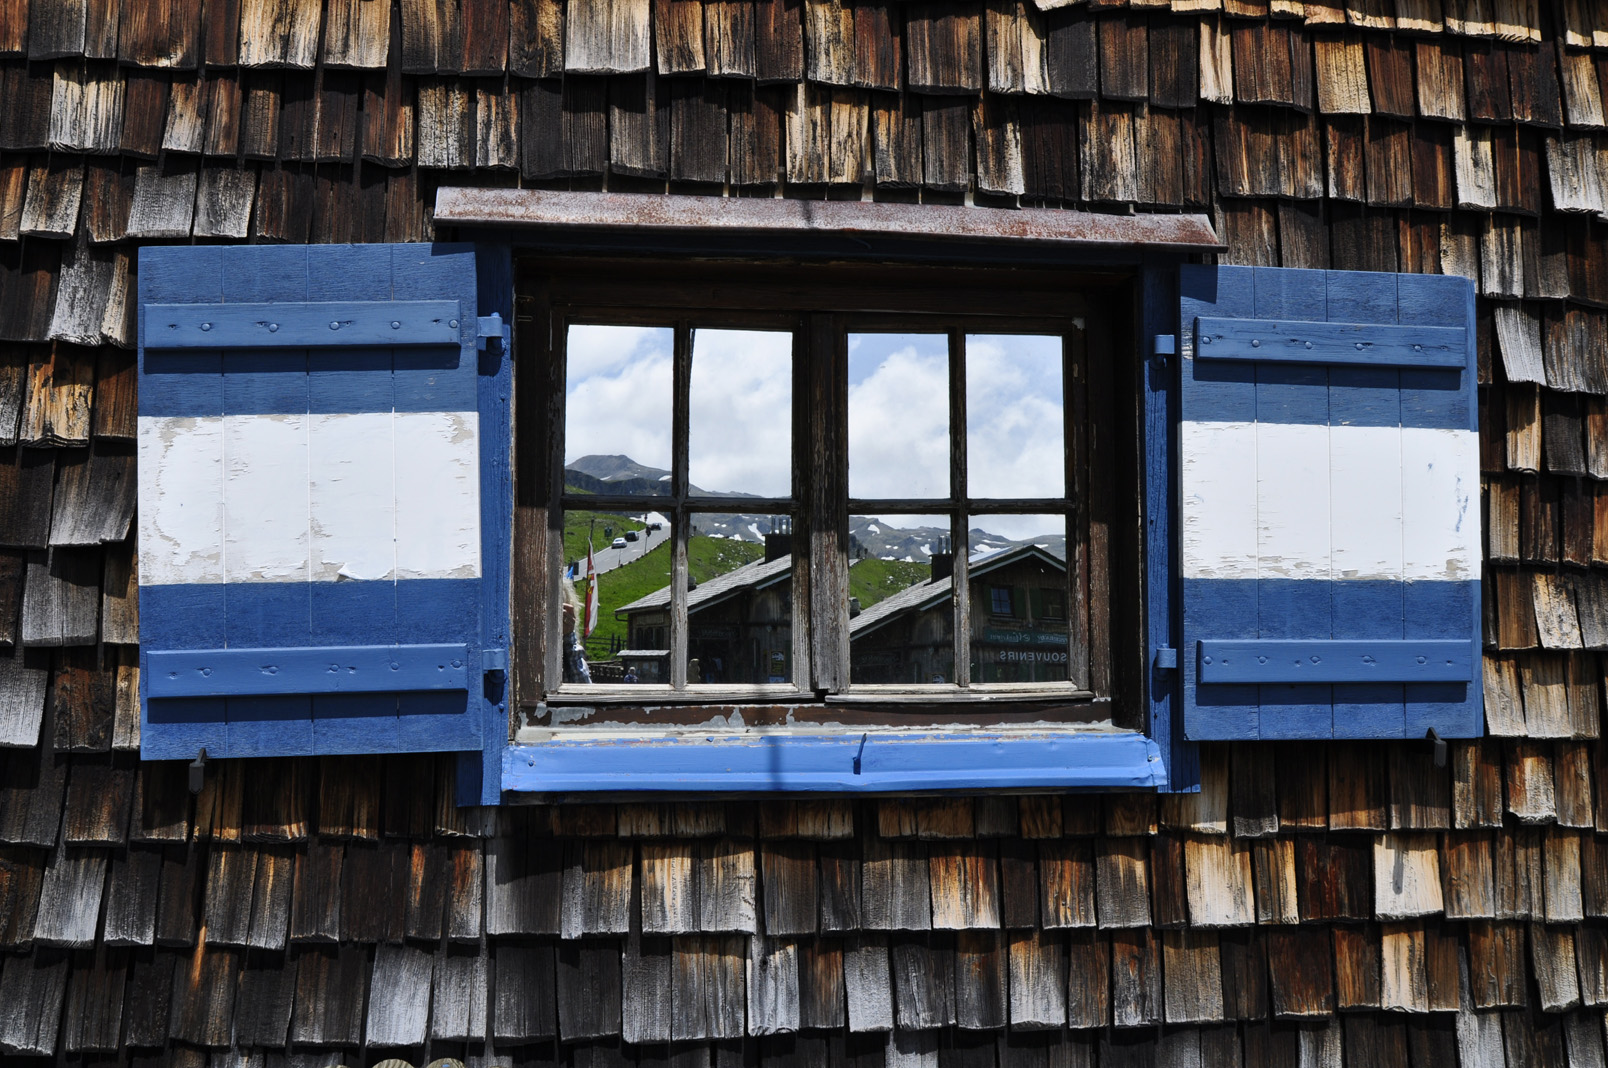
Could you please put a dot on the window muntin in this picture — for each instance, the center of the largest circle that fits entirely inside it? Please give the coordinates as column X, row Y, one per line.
column 821, row 339
column 701, row 588
column 1006, row 492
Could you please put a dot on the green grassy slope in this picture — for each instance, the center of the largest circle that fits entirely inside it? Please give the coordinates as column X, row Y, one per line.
column 871, row 579
column 706, row 558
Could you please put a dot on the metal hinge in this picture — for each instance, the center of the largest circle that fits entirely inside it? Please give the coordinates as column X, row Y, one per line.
column 492, row 326
column 1163, row 346
column 1166, row 659
column 494, row 660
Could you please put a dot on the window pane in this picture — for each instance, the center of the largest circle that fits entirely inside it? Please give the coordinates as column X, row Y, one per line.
column 740, row 608
column 1018, row 598
column 898, row 415
column 740, row 435
column 1015, row 416
column 739, row 605
column 617, row 399
column 901, row 611
column 624, row 548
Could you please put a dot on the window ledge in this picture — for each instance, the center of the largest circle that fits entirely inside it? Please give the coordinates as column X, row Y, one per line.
column 803, row 761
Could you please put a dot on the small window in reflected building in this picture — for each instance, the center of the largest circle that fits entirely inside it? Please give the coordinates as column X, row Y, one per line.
column 999, row 601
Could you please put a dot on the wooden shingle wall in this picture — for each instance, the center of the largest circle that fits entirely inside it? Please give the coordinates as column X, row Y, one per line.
column 1335, row 904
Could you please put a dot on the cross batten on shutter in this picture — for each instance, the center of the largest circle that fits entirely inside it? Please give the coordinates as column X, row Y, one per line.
column 1329, row 485
column 263, row 672
column 293, row 324
column 1342, row 344
column 1335, row 661
column 310, row 500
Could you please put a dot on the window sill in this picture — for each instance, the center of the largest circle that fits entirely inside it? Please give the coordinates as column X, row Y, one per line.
column 977, row 693
column 828, row 760
column 653, row 693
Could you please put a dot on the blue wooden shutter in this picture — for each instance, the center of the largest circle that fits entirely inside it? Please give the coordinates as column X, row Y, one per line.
column 1329, row 511
column 313, row 565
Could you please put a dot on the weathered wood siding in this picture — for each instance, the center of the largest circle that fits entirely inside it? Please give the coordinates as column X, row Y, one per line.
column 1326, row 904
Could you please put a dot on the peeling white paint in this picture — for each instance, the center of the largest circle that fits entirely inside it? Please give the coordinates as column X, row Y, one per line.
column 181, row 500
column 325, row 497
column 352, row 495
column 1294, row 538
column 265, row 517
column 1269, row 500
column 1440, row 485
column 438, row 495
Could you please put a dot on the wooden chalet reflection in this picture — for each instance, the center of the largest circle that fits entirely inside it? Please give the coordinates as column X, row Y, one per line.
column 739, row 624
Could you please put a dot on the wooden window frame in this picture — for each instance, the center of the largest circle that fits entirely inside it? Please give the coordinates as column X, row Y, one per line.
column 823, row 305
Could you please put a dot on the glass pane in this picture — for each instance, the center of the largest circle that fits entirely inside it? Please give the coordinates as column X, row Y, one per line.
column 740, row 436
column 898, row 415
column 901, row 610
column 1018, row 585
column 617, row 400
column 1015, row 416
column 740, row 609
column 626, row 551
column 739, row 605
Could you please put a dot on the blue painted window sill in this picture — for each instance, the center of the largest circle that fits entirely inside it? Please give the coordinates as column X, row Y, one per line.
column 852, row 762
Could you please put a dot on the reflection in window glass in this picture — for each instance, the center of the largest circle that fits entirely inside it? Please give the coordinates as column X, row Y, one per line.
column 739, row 605
column 623, row 547
column 1015, row 421
column 901, row 611
column 898, row 415
column 740, row 435
column 740, row 613
column 1018, row 580
column 617, row 400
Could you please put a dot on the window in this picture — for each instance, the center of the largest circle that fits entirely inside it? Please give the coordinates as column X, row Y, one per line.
column 1270, row 535
column 862, row 478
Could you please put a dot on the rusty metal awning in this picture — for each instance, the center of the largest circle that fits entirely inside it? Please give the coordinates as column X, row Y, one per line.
column 696, row 219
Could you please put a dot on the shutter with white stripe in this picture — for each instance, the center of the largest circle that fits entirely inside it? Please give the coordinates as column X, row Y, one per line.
column 1329, row 480
column 310, row 500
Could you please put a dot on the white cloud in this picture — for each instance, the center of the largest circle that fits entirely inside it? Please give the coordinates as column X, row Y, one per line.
column 898, row 415
column 1014, row 416
column 741, row 410
column 617, row 395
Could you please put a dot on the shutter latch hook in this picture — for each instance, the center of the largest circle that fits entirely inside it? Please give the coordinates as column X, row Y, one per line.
column 1440, row 747
column 198, row 771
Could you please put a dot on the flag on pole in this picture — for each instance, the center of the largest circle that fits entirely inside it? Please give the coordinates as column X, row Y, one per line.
column 590, row 623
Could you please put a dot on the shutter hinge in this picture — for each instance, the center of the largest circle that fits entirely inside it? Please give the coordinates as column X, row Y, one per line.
column 494, row 660
column 1163, row 346
column 492, row 326
column 1166, row 659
